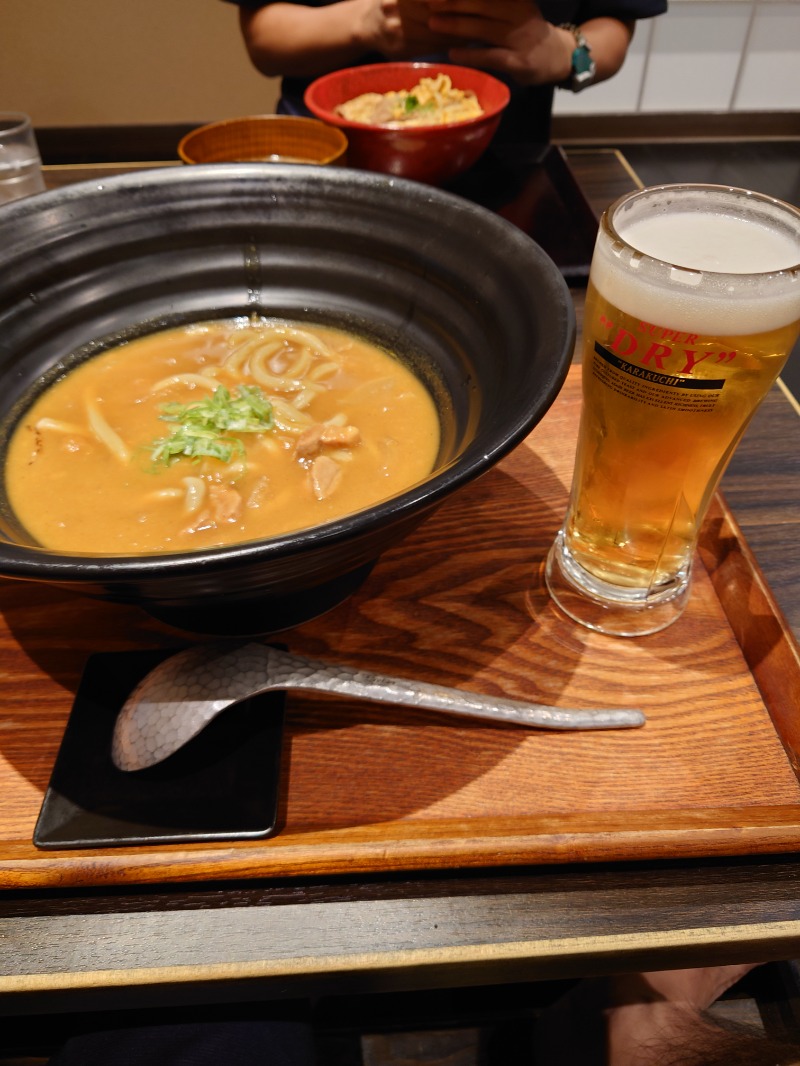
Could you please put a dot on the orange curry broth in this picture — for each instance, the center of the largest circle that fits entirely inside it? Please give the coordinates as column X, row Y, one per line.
column 74, row 493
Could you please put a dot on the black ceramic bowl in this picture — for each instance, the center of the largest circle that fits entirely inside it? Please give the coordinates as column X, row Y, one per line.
column 475, row 306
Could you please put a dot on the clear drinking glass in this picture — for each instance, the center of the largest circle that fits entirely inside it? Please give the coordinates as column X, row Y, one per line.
column 20, row 162
column 692, row 308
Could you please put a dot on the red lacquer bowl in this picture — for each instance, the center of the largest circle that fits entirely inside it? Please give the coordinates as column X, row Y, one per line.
column 433, row 154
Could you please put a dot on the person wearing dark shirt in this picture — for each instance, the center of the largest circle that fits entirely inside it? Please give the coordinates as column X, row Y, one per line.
column 533, row 47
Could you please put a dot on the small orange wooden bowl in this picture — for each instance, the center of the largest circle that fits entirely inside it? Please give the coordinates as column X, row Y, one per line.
column 264, row 138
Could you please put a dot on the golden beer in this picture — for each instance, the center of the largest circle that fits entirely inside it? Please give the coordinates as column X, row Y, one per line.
column 677, row 357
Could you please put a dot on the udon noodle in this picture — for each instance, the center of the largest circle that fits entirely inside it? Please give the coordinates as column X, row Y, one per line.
column 215, row 433
column 432, row 102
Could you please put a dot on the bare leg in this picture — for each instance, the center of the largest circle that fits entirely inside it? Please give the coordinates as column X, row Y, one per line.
column 631, row 1019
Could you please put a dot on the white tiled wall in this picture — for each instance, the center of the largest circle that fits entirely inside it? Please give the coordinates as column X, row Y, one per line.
column 704, row 55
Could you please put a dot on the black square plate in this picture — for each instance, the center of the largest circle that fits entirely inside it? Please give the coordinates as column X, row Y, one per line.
column 222, row 785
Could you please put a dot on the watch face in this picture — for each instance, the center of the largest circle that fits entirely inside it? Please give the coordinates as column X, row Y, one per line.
column 582, row 61
column 583, row 68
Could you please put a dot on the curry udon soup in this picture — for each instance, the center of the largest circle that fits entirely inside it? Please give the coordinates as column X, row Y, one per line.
column 215, row 433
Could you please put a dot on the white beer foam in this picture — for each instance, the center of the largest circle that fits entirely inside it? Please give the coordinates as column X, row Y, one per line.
column 683, row 287
column 721, row 243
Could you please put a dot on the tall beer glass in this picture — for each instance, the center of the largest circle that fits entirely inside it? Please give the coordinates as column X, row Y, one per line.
column 692, row 307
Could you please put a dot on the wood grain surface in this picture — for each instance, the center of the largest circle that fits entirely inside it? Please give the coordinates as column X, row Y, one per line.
column 460, row 602
column 761, row 486
column 225, row 939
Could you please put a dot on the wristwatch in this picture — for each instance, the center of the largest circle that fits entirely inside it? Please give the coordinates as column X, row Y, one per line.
column 584, row 69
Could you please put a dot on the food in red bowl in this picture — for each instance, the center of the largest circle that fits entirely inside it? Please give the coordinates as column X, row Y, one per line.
column 433, row 153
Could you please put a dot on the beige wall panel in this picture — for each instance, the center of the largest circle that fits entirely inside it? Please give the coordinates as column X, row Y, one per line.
column 120, row 62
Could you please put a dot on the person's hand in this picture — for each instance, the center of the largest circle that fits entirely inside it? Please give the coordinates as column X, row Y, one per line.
column 399, row 29
column 508, row 36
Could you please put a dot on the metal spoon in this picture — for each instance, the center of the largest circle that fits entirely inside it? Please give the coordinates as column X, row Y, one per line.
column 177, row 699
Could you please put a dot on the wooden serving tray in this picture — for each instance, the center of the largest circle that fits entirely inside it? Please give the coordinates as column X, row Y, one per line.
column 460, row 602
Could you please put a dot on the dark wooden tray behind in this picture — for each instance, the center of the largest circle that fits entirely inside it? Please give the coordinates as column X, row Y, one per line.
column 540, row 195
